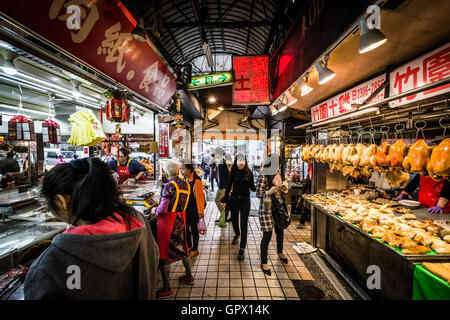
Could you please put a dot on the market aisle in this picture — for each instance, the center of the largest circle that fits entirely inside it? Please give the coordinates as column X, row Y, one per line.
column 220, row 276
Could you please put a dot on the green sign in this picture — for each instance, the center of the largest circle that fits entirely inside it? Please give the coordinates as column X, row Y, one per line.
column 211, row 80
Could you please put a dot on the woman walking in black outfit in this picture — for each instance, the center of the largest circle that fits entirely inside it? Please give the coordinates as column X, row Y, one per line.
column 240, row 182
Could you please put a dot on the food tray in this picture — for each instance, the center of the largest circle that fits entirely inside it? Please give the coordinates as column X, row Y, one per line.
column 431, row 256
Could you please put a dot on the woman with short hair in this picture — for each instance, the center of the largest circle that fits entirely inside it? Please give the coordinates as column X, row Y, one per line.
column 172, row 227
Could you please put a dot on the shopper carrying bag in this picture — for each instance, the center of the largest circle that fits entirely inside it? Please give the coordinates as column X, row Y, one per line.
column 273, row 213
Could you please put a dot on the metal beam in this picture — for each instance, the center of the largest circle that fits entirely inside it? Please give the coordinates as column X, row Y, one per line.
column 275, row 22
column 218, row 25
column 249, row 28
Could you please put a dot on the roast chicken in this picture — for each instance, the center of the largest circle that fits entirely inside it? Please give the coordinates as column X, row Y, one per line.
column 380, row 159
column 397, row 177
column 338, row 153
column 346, row 152
column 396, row 155
column 439, row 164
column 417, row 158
column 355, row 154
column 367, row 154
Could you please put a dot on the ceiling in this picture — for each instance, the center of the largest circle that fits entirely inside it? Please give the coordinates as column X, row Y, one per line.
column 412, row 29
column 239, row 27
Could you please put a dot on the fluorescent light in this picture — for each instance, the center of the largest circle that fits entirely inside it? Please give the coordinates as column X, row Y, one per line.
column 325, row 74
column 26, row 110
column 370, row 38
column 9, row 68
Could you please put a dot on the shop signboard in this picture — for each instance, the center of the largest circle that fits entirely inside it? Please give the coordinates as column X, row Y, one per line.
column 429, row 68
column 343, row 102
column 251, row 80
column 163, row 140
column 211, row 80
column 99, row 34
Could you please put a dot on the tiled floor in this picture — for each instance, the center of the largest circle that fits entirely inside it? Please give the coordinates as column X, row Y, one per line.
column 220, row 276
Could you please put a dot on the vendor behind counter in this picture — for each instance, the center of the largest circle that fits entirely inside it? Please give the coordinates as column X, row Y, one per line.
column 128, row 169
column 10, row 170
column 433, row 194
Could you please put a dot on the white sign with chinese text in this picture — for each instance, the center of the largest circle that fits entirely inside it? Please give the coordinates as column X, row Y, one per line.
column 342, row 102
column 429, row 68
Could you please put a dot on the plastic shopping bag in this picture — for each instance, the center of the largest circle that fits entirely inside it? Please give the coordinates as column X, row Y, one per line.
column 201, row 226
column 222, row 222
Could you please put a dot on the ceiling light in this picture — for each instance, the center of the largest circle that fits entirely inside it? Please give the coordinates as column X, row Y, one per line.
column 370, row 38
column 274, row 109
column 138, row 32
column 26, row 110
column 76, row 89
column 212, row 99
column 290, row 98
column 282, row 103
column 9, row 68
column 325, row 74
column 305, row 89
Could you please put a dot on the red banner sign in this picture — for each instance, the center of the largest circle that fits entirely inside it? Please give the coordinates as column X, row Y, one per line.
column 431, row 67
column 343, row 102
column 164, row 140
column 251, row 80
column 99, row 33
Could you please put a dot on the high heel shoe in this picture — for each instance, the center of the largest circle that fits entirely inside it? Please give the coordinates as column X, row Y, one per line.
column 266, row 271
column 283, row 259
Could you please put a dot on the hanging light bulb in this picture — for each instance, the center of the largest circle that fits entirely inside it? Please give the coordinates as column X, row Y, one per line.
column 325, row 74
column 370, row 38
column 305, row 89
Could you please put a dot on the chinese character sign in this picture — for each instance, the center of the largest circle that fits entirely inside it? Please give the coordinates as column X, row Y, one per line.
column 100, row 36
column 429, row 68
column 163, row 140
column 251, row 84
column 343, row 102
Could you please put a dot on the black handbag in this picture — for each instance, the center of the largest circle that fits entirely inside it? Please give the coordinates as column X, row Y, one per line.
column 280, row 213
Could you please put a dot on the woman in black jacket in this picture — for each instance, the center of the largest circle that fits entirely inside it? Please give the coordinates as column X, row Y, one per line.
column 241, row 183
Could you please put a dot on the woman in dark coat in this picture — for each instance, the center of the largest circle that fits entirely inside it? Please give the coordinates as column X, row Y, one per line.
column 240, row 183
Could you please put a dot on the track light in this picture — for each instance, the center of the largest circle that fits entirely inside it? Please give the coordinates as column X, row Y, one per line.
column 138, row 32
column 325, row 74
column 370, row 38
column 305, row 89
column 289, row 98
column 274, row 109
column 76, row 89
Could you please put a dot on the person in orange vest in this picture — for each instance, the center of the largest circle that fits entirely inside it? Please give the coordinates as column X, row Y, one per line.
column 433, row 194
